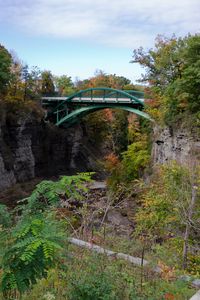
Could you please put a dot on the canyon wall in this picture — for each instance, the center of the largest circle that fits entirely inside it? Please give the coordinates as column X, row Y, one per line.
column 31, row 148
column 178, row 143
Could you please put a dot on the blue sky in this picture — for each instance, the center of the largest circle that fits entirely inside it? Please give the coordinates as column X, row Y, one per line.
column 76, row 37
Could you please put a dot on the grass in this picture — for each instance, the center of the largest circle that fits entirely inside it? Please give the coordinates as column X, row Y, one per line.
column 87, row 275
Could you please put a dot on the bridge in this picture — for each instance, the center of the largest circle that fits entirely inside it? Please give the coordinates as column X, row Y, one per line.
column 70, row 109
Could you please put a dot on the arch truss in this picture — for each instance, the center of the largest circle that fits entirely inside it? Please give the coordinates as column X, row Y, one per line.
column 68, row 110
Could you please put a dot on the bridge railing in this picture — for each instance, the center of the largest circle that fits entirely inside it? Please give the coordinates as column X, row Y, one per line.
column 103, row 94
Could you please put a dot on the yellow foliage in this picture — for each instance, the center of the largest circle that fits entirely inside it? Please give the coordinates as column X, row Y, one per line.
column 167, row 273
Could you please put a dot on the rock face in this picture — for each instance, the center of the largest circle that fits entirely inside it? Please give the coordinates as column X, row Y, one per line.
column 30, row 148
column 180, row 144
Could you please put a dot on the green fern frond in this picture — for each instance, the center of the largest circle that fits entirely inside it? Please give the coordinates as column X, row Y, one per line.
column 5, row 217
column 34, row 244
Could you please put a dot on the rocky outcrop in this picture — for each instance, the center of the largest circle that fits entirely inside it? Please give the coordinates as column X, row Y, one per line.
column 179, row 143
column 29, row 148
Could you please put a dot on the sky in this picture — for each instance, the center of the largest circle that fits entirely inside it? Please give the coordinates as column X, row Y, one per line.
column 77, row 37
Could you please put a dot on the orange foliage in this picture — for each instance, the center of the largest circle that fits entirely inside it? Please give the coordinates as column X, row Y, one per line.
column 167, row 272
column 132, row 118
column 111, row 161
column 169, row 296
column 108, row 114
column 154, row 103
column 153, row 100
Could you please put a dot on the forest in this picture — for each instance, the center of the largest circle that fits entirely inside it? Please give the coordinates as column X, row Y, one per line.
column 160, row 201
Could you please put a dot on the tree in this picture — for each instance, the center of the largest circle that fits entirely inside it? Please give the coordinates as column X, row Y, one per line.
column 15, row 87
column 118, row 82
column 5, row 69
column 48, row 88
column 135, row 159
column 64, row 85
column 119, row 131
column 25, row 78
column 172, row 71
column 34, row 83
column 189, row 84
column 25, row 83
column 115, row 131
column 163, row 64
column 101, row 79
column 170, row 207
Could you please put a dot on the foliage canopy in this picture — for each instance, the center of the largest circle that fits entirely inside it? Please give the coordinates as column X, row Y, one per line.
column 172, row 71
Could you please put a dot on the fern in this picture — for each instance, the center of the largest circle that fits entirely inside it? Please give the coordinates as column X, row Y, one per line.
column 38, row 239
column 47, row 193
column 5, row 217
column 35, row 247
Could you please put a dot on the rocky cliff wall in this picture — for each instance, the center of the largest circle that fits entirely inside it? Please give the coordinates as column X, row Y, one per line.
column 178, row 143
column 32, row 148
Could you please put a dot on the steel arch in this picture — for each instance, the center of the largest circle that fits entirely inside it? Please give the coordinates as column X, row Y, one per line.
column 83, row 111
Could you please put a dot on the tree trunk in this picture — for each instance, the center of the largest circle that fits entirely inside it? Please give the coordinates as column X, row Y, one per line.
column 188, row 225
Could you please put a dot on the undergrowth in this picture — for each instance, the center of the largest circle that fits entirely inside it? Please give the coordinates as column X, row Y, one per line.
column 91, row 276
column 38, row 263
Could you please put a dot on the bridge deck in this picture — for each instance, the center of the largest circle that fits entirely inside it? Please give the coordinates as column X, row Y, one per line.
column 49, row 100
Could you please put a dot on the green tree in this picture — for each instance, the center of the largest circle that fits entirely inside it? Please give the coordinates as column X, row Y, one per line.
column 119, row 131
column 64, row 85
column 48, row 88
column 5, row 69
column 133, row 162
column 172, row 70
column 189, row 83
column 170, row 207
column 135, row 159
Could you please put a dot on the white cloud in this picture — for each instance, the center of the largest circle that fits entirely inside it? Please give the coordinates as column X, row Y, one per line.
column 121, row 23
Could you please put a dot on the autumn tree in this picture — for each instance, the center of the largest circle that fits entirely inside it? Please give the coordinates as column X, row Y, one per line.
column 15, row 87
column 34, row 82
column 101, row 79
column 112, row 124
column 134, row 158
column 172, row 71
column 169, row 208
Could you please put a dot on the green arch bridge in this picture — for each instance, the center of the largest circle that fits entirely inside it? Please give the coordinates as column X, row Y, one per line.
column 69, row 110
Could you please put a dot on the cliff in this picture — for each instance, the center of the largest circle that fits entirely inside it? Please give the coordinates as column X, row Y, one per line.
column 31, row 148
column 180, row 143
